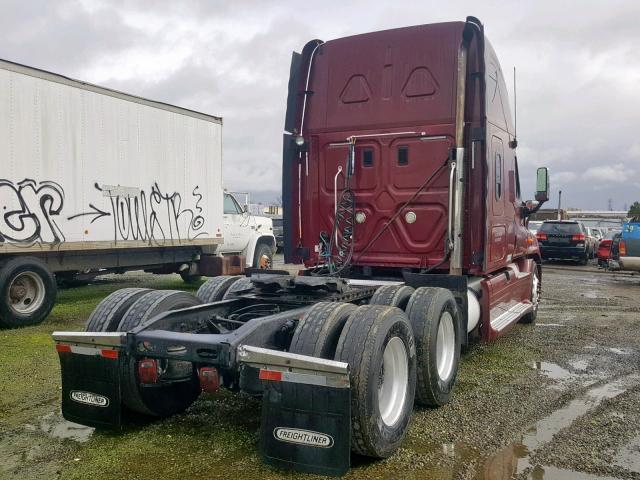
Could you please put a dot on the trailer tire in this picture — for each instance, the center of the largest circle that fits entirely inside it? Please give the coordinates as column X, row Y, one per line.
column 536, row 290
column 392, row 296
column 159, row 400
column 242, row 285
column 107, row 315
column 263, row 257
column 27, row 292
column 375, row 341
column 433, row 314
column 213, row 290
column 319, row 330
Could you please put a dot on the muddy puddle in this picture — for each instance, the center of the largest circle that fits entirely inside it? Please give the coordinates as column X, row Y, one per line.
column 516, row 459
column 56, row 426
column 552, row 370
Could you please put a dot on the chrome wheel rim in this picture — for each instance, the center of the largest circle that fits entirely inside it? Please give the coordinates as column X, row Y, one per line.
column 264, row 263
column 445, row 346
column 26, row 293
column 535, row 294
column 394, row 381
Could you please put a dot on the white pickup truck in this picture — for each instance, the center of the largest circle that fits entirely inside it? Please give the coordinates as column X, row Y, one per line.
column 246, row 234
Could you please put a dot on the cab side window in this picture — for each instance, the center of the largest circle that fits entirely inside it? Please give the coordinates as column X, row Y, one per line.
column 230, row 205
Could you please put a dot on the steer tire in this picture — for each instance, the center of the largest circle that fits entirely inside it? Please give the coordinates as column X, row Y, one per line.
column 363, row 342
column 213, row 290
column 107, row 315
column 263, row 257
column 165, row 398
column 536, row 283
column 318, row 331
column 427, row 308
column 32, row 280
column 392, row 296
column 243, row 285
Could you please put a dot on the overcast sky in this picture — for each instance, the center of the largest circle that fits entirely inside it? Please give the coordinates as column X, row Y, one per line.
column 578, row 72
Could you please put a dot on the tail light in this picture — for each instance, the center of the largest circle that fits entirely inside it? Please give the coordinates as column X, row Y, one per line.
column 148, row 370
column 541, row 236
column 622, row 249
column 578, row 237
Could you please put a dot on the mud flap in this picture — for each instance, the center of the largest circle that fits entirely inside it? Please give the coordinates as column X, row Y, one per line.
column 306, row 428
column 91, row 392
column 306, row 411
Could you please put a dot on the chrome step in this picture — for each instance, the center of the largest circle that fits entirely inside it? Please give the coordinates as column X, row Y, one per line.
column 511, row 315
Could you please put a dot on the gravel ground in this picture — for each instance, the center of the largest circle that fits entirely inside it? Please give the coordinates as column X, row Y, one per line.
column 558, row 400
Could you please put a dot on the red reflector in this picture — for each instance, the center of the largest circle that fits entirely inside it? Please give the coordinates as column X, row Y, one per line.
column 271, row 375
column 209, row 379
column 63, row 348
column 541, row 236
column 148, row 370
column 112, row 354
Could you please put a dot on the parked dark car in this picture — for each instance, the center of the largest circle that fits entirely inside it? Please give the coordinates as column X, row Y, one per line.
column 564, row 240
column 278, row 232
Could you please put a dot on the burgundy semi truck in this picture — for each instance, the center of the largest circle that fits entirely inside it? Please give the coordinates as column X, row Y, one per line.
column 402, row 199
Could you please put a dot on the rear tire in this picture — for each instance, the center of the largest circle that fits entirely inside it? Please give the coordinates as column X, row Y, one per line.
column 378, row 345
column 318, row 331
column 27, row 292
column 190, row 279
column 242, row 285
column 161, row 399
column 392, row 296
column 433, row 314
column 213, row 290
column 107, row 315
column 584, row 260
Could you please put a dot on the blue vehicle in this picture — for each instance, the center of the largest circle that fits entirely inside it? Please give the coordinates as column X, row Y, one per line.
column 629, row 248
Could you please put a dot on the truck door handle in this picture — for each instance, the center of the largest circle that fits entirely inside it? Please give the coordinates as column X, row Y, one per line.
column 452, row 176
column 335, row 197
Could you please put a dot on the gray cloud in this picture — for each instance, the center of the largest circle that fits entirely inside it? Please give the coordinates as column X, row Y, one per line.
column 577, row 72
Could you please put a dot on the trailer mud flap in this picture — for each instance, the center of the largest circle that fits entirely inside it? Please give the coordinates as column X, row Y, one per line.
column 91, row 393
column 306, row 411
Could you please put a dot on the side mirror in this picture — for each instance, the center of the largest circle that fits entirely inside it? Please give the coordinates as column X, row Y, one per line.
column 542, row 184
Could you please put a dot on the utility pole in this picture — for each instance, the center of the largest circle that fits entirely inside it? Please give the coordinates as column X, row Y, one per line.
column 610, row 205
column 559, row 204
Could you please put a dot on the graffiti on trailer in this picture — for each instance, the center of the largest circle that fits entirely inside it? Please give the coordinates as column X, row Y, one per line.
column 154, row 217
column 29, row 211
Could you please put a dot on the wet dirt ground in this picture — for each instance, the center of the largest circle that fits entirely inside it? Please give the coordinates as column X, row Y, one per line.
column 558, row 400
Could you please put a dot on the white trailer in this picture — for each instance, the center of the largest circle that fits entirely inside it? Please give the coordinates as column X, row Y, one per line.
column 95, row 180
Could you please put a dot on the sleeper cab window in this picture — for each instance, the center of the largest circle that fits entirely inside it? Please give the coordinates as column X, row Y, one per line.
column 403, row 155
column 367, row 157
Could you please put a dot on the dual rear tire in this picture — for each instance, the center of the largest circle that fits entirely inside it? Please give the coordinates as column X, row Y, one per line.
column 27, row 292
column 127, row 309
column 395, row 357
